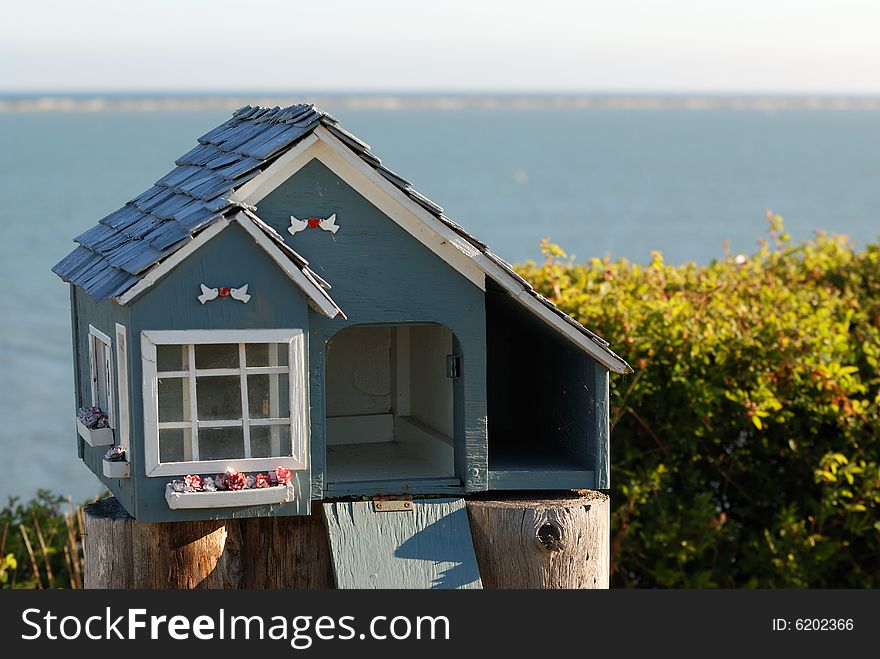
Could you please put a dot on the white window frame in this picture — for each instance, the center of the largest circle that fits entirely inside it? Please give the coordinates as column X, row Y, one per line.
column 97, row 336
column 296, row 388
column 124, row 422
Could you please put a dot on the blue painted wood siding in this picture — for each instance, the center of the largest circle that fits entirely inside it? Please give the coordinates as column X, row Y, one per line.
column 381, row 274
column 102, row 316
column 231, row 258
column 429, row 546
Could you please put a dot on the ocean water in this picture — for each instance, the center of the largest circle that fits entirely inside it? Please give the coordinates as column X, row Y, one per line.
column 623, row 182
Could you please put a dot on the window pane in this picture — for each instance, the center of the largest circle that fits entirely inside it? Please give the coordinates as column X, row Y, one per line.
column 257, row 354
column 172, row 403
column 270, row 441
column 218, row 397
column 267, row 354
column 221, row 443
column 172, row 358
column 175, row 445
column 268, row 396
column 217, row 356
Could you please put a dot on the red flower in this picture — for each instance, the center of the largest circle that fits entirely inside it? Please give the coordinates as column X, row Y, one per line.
column 283, row 475
column 193, row 482
column 262, row 481
column 235, row 480
column 224, row 292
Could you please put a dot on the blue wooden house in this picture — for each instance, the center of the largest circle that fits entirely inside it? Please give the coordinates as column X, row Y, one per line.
column 282, row 319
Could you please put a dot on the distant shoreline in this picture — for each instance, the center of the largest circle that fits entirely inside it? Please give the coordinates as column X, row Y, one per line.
column 171, row 102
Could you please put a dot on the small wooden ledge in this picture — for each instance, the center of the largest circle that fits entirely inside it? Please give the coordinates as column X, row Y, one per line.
column 229, row 498
column 95, row 436
column 115, row 468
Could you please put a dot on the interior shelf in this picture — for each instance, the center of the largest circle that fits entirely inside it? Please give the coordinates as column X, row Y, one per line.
column 377, row 461
column 533, row 462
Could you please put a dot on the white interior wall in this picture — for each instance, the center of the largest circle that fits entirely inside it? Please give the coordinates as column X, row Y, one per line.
column 430, row 390
column 388, row 385
column 358, row 372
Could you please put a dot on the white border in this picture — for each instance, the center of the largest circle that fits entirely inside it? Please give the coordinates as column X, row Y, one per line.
column 297, row 388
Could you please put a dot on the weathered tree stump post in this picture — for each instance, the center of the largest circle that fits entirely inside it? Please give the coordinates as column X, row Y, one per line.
column 561, row 541
column 521, row 541
column 277, row 552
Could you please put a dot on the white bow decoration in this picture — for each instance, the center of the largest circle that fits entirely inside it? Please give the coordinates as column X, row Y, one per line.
column 240, row 294
column 328, row 224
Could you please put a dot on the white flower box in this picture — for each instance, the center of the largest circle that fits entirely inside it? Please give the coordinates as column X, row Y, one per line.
column 116, row 469
column 95, row 436
column 229, row 498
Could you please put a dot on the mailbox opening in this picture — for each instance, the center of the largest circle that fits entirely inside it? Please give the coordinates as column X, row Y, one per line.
column 540, row 411
column 389, row 406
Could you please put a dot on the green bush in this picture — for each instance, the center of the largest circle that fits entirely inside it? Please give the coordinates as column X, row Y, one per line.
column 745, row 446
column 41, row 543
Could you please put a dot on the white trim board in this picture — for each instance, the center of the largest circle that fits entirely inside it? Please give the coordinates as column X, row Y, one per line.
column 521, row 295
column 417, row 221
column 228, row 498
column 124, row 429
column 278, row 172
column 318, row 300
column 98, row 334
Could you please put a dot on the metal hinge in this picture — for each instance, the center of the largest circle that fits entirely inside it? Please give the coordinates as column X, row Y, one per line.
column 393, row 504
column 453, row 366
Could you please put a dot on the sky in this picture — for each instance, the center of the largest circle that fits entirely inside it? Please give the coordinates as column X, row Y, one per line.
column 609, row 46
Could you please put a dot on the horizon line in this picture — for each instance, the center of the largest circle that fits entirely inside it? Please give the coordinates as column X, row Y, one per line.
column 464, row 93
column 195, row 101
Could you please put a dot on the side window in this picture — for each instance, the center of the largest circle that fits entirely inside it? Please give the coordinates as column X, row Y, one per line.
column 101, row 372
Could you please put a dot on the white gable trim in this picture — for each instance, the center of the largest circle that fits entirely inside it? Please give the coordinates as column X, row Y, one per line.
column 437, row 237
column 162, row 268
column 516, row 290
column 421, row 224
column 279, row 171
column 317, row 299
column 316, row 296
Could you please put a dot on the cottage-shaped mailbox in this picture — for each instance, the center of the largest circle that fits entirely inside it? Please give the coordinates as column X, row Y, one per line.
column 205, row 326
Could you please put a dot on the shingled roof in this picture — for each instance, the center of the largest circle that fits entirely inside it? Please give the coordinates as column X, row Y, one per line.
column 126, row 245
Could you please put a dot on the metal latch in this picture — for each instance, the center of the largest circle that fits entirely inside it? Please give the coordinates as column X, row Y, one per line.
column 393, row 504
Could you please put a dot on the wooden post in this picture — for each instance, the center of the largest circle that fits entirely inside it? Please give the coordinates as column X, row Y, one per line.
column 556, row 541
column 277, row 552
column 559, row 541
